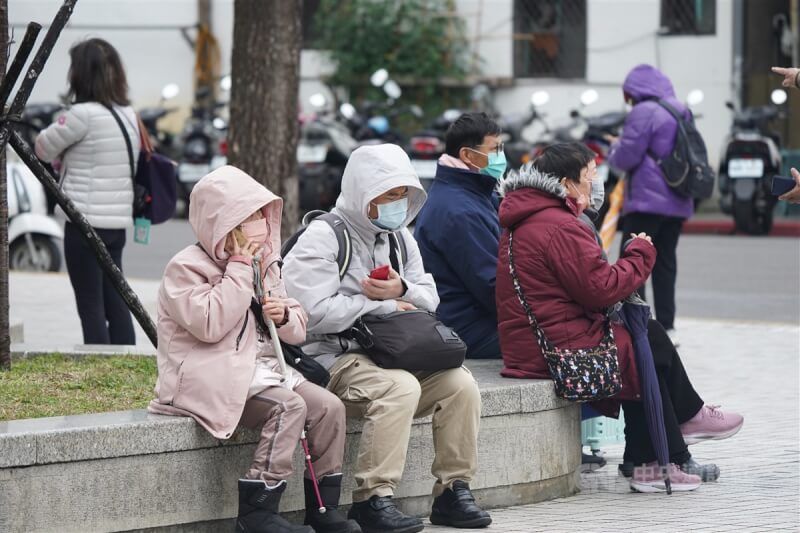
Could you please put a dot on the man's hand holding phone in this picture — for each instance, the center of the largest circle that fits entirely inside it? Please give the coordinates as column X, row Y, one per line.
column 383, row 289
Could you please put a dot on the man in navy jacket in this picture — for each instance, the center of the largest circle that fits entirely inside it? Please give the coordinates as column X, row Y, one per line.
column 458, row 231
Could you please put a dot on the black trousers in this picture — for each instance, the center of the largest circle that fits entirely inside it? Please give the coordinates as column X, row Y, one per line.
column 105, row 318
column 679, row 401
column 665, row 232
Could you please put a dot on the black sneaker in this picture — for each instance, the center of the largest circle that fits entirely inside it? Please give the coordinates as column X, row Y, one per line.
column 379, row 514
column 456, row 507
column 590, row 463
column 709, row 472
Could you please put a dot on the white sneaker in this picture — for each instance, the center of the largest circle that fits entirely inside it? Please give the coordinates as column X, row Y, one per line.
column 673, row 336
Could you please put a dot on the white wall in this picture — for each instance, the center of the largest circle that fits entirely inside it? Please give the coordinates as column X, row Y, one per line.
column 622, row 34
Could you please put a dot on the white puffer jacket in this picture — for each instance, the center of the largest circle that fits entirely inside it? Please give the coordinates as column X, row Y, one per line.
column 95, row 171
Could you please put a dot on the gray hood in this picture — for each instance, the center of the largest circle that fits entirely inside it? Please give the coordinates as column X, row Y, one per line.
column 370, row 172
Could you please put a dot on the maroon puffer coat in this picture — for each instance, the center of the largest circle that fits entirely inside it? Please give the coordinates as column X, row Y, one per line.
column 565, row 280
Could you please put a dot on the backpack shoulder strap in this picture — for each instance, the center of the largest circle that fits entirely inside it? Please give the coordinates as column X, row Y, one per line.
column 671, row 110
column 342, row 239
column 397, row 243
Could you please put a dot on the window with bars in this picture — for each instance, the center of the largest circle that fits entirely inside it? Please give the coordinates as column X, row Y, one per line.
column 550, row 38
column 689, row 17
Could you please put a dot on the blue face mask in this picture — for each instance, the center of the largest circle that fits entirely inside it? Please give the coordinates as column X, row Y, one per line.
column 497, row 165
column 392, row 215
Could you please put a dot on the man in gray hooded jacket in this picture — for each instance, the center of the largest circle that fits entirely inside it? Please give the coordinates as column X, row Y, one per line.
column 381, row 193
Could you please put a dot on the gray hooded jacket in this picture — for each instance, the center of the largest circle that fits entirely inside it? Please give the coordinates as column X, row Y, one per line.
column 310, row 271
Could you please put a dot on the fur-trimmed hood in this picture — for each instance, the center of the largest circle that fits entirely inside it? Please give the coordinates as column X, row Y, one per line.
column 528, row 191
column 529, row 177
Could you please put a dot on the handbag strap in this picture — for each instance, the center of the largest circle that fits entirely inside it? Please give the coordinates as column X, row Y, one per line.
column 544, row 343
column 127, row 139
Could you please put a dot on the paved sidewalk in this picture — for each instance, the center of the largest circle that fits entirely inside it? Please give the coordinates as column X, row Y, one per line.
column 749, row 367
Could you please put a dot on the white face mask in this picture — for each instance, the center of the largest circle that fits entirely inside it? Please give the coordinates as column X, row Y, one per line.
column 598, row 193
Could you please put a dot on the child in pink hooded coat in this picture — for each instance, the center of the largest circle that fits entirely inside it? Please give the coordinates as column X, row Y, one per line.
column 217, row 366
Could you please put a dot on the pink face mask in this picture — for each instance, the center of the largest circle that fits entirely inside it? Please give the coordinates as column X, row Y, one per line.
column 256, row 230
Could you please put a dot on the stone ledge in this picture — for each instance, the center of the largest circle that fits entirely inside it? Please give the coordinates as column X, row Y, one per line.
column 131, row 470
column 123, row 433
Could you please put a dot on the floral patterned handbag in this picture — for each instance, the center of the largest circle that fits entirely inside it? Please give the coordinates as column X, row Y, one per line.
column 581, row 375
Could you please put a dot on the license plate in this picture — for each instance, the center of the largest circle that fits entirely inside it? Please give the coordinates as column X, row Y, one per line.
column 424, row 169
column 311, row 153
column 602, row 173
column 746, row 168
column 191, row 173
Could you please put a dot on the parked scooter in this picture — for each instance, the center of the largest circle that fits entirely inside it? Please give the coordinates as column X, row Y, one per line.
column 163, row 142
column 751, row 157
column 324, row 146
column 204, row 145
column 32, row 235
column 427, row 146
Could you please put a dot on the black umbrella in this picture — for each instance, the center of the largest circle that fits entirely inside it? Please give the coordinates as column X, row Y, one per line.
column 635, row 313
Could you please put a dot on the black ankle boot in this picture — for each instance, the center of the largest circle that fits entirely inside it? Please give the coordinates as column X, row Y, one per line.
column 456, row 507
column 379, row 514
column 258, row 509
column 331, row 521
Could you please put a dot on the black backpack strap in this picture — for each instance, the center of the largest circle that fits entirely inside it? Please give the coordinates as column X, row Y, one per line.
column 127, row 139
column 397, row 243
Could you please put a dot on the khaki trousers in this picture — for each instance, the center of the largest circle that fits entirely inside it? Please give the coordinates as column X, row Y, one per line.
column 388, row 401
column 281, row 415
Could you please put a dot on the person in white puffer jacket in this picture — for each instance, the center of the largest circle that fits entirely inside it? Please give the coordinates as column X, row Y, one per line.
column 96, row 176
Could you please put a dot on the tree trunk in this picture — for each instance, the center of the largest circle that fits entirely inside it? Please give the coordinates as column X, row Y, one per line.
column 265, row 70
column 5, row 338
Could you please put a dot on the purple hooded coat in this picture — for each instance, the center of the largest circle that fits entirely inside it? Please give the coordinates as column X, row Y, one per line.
column 649, row 129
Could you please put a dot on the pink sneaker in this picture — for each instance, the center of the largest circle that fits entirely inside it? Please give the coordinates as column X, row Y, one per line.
column 711, row 424
column 650, row 478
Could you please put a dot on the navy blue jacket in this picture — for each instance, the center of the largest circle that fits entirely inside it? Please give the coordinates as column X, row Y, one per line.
column 458, row 233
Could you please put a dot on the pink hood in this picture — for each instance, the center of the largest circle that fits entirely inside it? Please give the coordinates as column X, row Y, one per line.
column 207, row 337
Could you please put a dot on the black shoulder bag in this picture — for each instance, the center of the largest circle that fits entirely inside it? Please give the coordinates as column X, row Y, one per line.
column 408, row 340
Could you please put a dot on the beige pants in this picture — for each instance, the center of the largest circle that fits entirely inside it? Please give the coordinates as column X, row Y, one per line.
column 281, row 415
column 388, row 401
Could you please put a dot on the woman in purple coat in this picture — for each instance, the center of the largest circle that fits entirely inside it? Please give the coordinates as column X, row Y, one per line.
column 651, row 206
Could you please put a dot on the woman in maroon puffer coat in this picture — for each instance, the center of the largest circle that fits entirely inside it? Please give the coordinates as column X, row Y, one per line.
column 569, row 286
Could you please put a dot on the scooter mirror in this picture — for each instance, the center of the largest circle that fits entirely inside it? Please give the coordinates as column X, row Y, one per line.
column 540, row 98
column 379, row 77
column 729, row 105
column 225, row 83
column 589, row 96
column 170, row 91
column 392, row 90
column 778, row 96
column 695, row 97
column 574, row 113
column 317, row 100
column 347, row 110
column 416, row 111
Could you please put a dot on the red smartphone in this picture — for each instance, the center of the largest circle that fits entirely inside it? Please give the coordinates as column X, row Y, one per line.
column 381, row 272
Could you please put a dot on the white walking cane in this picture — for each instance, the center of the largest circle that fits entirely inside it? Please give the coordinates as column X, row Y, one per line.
column 258, row 286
